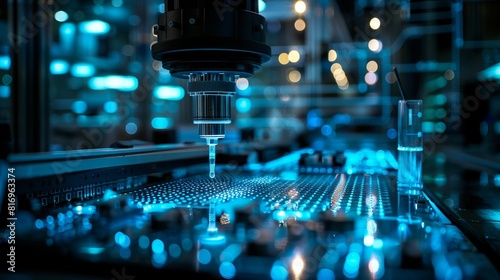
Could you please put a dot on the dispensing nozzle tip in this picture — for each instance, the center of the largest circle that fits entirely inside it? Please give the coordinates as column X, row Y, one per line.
column 211, row 155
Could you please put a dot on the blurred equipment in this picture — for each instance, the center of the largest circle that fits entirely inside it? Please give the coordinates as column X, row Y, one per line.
column 212, row 44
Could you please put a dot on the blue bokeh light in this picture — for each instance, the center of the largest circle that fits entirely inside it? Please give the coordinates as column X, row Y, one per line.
column 82, row 70
column 5, row 62
column 94, row 27
column 169, row 92
column 351, row 265
column 392, row 133
column 79, row 106
column 61, row 16
column 143, row 242
column 325, row 274
column 110, row 107
column 158, row 260
column 227, row 270
column 161, row 123
column 131, row 128
column 174, row 250
column 279, row 271
column 39, row 224
column 204, row 256
column 4, row 91
column 243, row 105
column 157, row 246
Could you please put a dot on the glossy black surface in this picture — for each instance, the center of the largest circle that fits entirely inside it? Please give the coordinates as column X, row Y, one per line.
column 466, row 186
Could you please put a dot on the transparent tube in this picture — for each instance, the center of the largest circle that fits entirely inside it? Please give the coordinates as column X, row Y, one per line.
column 410, row 145
column 212, row 225
column 211, row 142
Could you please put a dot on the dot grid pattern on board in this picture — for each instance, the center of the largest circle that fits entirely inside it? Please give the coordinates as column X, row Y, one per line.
column 359, row 194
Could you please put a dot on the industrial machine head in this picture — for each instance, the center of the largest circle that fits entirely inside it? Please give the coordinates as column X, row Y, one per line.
column 212, row 44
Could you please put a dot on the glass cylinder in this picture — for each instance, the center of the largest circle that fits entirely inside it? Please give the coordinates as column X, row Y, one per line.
column 410, row 145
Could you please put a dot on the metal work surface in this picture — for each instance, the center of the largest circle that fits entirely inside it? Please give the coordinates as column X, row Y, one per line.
column 349, row 222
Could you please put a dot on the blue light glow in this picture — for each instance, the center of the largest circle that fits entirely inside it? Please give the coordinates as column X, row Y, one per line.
column 279, row 271
column 342, row 119
column 39, row 224
column 351, row 265
column 392, row 133
column 87, row 210
column 454, row 272
column 135, row 67
column 496, row 180
column 427, row 127
column 110, row 107
column 441, row 266
column 187, row 244
column 122, row 239
column 59, row 67
column 143, row 242
column 243, row 105
column 368, row 240
column 325, row 274
column 131, row 128
column 362, row 87
column 330, row 258
column 378, row 243
column 440, row 127
column 94, row 27
column 356, row 247
column 298, row 215
column 230, row 253
column 174, row 250
column 159, row 260
column 121, row 83
column 161, row 123
column 5, row 62
column 157, row 246
column 125, row 253
column 213, row 239
column 204, row 256
column 118, row 236
column 79, row 107
column 117, row 3
column 169, row 92
column 262, row 6
column 91, row 250
column 245, row 92
column 158, row 207
column 4, row 91
column 67, row 29
column 61, row 16
column 7, row 79
column 227, row 270
column 82, row 70
column 289, row 175
column 314, row 119
column 326, row 130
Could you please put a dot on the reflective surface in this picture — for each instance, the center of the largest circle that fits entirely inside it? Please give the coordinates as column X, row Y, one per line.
column 467, row 187
column 254, row 222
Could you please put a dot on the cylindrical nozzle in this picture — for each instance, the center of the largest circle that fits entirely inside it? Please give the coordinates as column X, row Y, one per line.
column 211, row 142
column 211, row 93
